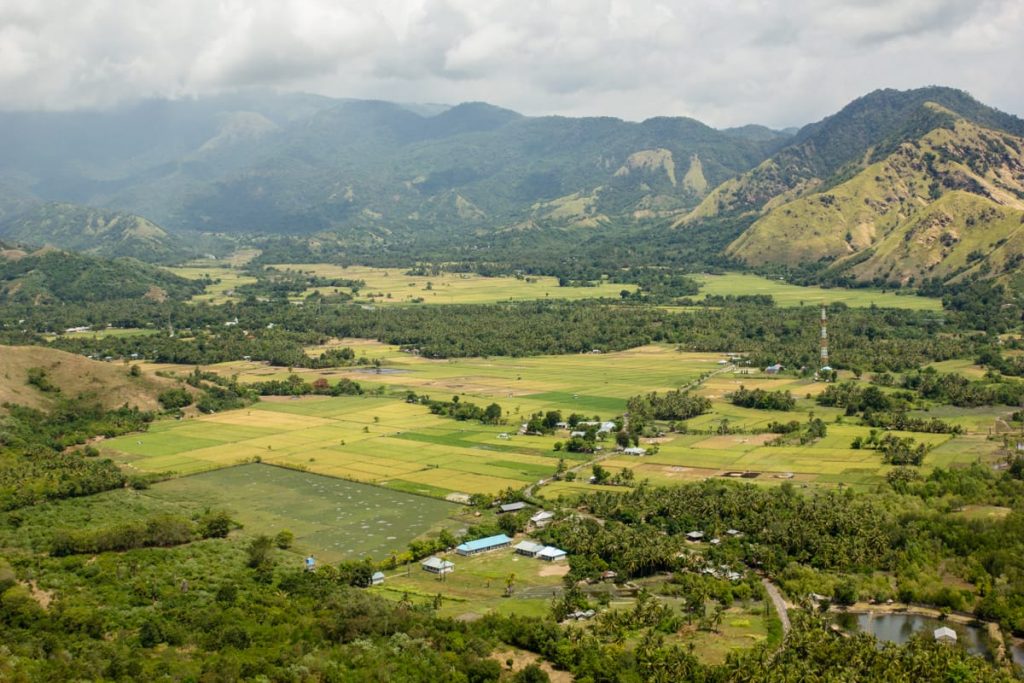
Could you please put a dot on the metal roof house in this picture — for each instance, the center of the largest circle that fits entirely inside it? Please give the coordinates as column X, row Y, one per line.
column 528, row 548
column 944, row 634
column 542, row 518
column 377, row 579
column 483, row 545
column 634, row 450
column 773, row 369
column 512, row 507
column 695, row 536
column 550, row 553
column 435, row 565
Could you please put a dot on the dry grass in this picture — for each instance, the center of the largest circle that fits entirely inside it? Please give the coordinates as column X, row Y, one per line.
column 109, row 383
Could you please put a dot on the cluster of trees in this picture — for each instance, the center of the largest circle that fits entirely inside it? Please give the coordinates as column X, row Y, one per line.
column 672, row 405
column 35, row 463
column 895, row 450
column 159, row 530
column 957, row 390
column 794, row 432
column 887, row 410
column 458, row 409
column 295, row 385
column 762, row 399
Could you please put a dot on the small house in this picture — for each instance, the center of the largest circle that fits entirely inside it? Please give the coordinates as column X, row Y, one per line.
column 695, row 536
column 511, row 507
column 944, row 634
column 483, row 545
column 435, row 565
column 773, row 369
column 551, row 554
column 542, row 519
column 634, row 450
column 609, row 575
column 504, row 436
column 310, row 563
column 528, row 548
column 377, row 579
column 733, row 532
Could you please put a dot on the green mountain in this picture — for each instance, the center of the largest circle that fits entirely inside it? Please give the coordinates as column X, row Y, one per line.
column 94, row 231
column 823, row 154
column 282, row 164
column 49, row 275
column 933, row 192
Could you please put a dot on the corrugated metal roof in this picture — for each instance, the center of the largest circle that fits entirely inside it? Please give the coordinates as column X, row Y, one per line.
column 482, row 543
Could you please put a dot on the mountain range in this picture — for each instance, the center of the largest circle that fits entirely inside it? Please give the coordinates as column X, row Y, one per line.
column 897, row 187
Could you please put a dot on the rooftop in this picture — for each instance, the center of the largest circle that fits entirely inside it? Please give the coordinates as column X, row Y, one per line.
column 529, row 547
column 482, row 543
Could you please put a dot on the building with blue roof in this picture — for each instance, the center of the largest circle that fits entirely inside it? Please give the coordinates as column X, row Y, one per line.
column 483, row 545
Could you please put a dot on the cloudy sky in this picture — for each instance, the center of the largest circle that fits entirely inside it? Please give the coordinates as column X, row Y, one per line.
column 726, row 62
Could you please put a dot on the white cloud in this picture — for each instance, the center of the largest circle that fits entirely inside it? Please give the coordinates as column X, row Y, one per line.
column 727, row 63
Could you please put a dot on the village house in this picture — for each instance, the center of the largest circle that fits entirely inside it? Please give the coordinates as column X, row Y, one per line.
column 528, row 548
column 542, row 519
column 435, row 565
column 377, row 579
column 483, row 545
column 511, row 507
column 551, row 554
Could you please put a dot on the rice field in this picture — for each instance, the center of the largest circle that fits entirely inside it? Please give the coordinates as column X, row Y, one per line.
column 376, row 440
column 786, row 294
column 394, row 286
column 385, row 441
column 331, row 518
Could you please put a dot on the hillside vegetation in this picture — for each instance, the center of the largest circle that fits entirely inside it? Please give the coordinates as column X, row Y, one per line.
column 297, row 165
column 940, row 205
column 57, row 374
column 93, row 231
column 49, row 275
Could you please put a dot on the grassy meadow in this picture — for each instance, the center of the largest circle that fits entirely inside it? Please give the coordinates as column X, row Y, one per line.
column 331, row 518
column 393, row 286
column 786, row 294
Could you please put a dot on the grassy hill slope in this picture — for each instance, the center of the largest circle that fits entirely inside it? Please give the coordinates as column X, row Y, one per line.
column 109, row 383
column 934, row 207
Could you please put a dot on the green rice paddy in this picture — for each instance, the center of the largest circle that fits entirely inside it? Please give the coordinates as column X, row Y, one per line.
column 331, row 518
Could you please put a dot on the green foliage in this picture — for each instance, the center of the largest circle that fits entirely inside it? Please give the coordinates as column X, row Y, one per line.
column 762, row 400
column 63, row 277
column 173, row 399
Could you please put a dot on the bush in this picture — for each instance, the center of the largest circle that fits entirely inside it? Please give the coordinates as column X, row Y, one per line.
column 284, row 539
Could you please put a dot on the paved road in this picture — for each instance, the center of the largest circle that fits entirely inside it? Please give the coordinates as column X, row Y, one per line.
column 780, row 605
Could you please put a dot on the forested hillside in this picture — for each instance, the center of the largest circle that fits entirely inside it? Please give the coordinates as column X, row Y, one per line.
column 297, row 165
column 93, row 231
column 49, row 275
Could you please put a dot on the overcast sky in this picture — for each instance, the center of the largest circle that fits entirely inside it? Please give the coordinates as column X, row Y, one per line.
column 724, row 62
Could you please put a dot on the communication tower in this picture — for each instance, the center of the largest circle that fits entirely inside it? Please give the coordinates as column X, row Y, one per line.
column 824, row 337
